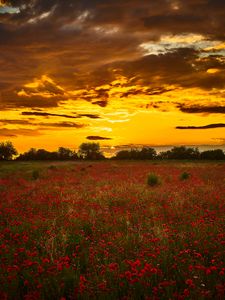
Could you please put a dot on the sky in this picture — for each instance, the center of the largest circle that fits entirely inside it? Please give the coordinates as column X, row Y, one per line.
column 121, row 73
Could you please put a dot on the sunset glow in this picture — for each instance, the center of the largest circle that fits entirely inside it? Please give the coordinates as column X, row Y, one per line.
column 132, row 72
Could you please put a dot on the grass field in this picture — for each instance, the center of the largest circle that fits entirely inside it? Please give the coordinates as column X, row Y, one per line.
column 98, row 230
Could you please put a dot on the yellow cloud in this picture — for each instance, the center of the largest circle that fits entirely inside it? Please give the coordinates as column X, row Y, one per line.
column 183, row 38
column 44, row 87
column 213, row 70
column 219, row 46
column 22, row 93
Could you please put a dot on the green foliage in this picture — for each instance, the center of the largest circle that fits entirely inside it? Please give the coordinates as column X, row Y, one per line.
column 185, row 176
column 153, row 179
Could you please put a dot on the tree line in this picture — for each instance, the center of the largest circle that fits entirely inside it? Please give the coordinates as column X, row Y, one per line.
column 178, row 152
column 86, row 151
column 91, row 151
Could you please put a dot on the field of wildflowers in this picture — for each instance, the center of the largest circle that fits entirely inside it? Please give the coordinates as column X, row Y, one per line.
column 99, row 231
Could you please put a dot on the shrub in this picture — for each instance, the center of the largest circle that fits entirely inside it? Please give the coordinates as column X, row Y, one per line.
column 35, row 174
column 52, row 167
column 184, row 176
column 153, row 179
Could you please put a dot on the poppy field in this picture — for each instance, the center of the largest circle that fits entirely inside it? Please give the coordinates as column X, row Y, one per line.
column 99, row 230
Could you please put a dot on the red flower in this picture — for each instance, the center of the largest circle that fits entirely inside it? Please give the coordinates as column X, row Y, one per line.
column 113, row 267
column 190, row 283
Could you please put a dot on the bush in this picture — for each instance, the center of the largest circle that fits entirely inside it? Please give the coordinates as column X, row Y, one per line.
column 35, row 174
column 153, row 179
column 52, row 167
column 184, row 176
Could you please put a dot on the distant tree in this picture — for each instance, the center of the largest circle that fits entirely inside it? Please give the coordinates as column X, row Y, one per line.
column 144, row 153
column 90, row 151
column 29, row 155
column 163, row 155
column 216, row 154
column 42, row 154
column 148, row 153
column 66, row 154
column 7, row 150
column 123, row 154
column 181, row 152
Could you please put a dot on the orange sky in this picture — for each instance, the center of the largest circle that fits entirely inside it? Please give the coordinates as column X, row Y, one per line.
column 120, row 73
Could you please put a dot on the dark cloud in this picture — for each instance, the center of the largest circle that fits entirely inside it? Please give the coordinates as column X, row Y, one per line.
column 98, row 95
column 15, row 122
column 202, row 109
column 210, row 126
column 176, row 23
column 133, row 15
column 150, row 92
column 79, row 44
column 91, row 116
column 44, row 124
column 62, row 124
column 45, row 114
column 96, row 137
column 190, row 16
column 181, row 67
column 101, row 103
column 9, row 100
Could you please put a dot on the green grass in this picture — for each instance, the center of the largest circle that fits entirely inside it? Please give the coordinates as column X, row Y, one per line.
column 25, row 169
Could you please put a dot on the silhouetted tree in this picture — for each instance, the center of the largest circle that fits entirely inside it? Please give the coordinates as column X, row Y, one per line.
column 181, row 152
column 7, row 150
column 147, row 153
column 163, row 155
column 42, row 154
column 216, row 154
column 66, row 154
column 90, row 151
column 123, row 154
column 29, row 155
column 144, row 153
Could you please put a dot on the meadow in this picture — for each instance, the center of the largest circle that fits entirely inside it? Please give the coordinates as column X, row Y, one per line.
column 99, row 230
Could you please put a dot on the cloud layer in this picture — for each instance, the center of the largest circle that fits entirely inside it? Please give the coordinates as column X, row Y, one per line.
column 106, row 61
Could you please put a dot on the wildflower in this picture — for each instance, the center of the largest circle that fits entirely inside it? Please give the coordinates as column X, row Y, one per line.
column 190, row 283
column 113, row 267
column 186, row 292
column 102, row 286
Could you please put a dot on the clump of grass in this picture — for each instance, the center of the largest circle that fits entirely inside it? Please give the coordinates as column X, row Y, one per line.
column 35, row 174
column 153, row 179
column 52, row 167
column 185, row 176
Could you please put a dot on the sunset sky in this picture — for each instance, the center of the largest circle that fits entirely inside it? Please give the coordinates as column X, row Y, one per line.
column 117, row 72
